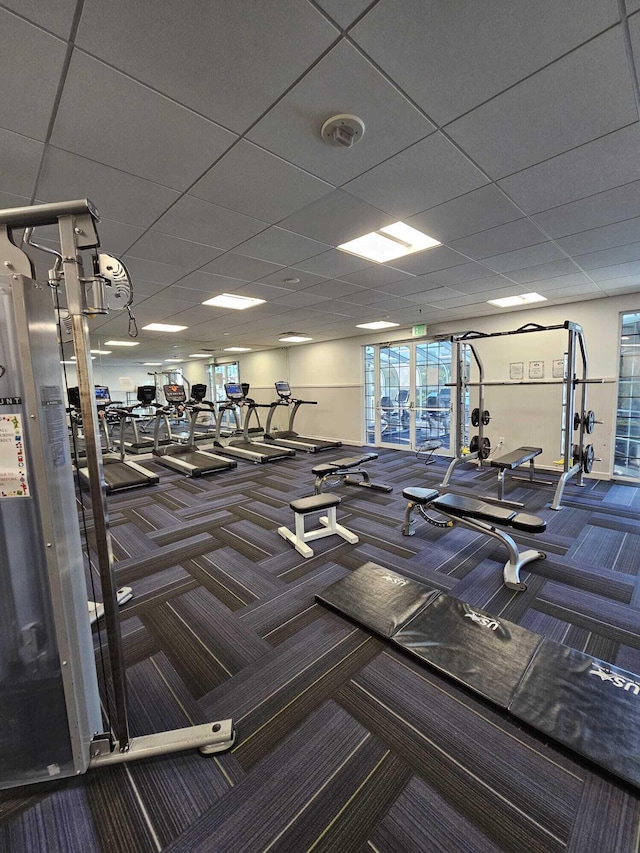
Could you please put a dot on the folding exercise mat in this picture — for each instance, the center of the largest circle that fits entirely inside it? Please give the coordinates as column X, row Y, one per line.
column 582, row 702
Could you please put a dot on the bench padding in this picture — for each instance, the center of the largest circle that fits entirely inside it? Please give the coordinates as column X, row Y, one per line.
column 516, row 457
column 344, row 464
column 315, row 503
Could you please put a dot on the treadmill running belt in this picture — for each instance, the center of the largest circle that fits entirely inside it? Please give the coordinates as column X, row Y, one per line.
column 485, row 653
column 584, row 703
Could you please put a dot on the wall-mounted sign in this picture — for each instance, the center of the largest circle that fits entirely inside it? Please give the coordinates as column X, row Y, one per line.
column 14, row 482
column 419, row 331
column 536, row 370
column 126, row 383
column 516, row 370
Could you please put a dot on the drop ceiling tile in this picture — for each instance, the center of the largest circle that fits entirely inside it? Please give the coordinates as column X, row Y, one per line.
column 348, row 309
column 343, row 82
column 597, row 239
column 576, row 280
column 32, row 61
column 116, row 237
column 578, row 98
column 430, row 260
column 54, row 16
column 616, row 271
column 281, row 246
column 335, row 289
column 408, row 287
column 8, row 200
column 607, row 257
column 176, row 147
column 240, row 266
column 146, row 270
column 499, row 240
column 622, row 286
column 116, row 195
column 600, row 165
column 367, row 297
column 299, row 299
column 434, row 295
column 603, row 208
column 542, row 271
column 258, row 290
column 24, row 156
column 333, row 264
column 293, row 279
column 398, row 304
column 337, row 218
column 454, row 276
column 259, row 184
column 194, row 219
column 426, row 174
column 521, row 258
column 184, row 295
column 376, row 275
column 475, row 211
column 484, row 285
column 143, row 288
column 632, row 6
column 161, row 306
column 344, row 12
column 559, row 291
column 171, row 250
column 210, row 283
column 227, row 61
column 450, row 57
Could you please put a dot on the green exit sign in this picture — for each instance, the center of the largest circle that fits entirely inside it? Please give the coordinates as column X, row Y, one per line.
column 419, row 331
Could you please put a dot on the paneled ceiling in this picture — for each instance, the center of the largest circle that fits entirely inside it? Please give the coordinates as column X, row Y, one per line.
column 508, row 131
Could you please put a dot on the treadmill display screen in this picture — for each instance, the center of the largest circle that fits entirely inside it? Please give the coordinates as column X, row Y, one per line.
column 283, row 389
column 174, row 393
column 102, row 394
column 233, row 391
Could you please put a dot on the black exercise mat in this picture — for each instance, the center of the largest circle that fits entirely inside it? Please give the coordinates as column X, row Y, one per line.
column 378, row 598
column 584, row 703
column 485, row 653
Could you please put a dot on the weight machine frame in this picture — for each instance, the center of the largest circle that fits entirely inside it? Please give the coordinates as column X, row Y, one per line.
column 44, row 628
column 575, row 375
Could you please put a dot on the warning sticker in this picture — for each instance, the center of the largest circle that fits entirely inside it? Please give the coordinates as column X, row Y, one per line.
column 13, row 467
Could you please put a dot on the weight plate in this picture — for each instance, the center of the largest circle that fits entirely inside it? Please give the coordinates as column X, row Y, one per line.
column 576, row 420
column 588, row 458
column 589, row 421
column 485, row 448
column 474, row 444
column 475, row 417
column 575, row 452
column 486, row 417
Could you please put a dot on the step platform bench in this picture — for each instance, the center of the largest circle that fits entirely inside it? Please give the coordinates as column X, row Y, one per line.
column 346, row 471
column 329, row 526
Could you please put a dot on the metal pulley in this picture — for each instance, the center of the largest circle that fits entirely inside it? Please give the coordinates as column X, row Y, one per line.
column 482, row 448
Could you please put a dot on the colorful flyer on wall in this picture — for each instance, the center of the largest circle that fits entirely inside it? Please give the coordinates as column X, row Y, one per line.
column 13, row 467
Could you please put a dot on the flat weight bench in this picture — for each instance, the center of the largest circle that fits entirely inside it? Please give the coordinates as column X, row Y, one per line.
column 344, row 471
column 305, row 506
column 479, row 516
column 513, row 460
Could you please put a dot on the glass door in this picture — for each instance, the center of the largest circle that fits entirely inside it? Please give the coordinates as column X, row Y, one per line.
column 626, row 461
column 407, row 399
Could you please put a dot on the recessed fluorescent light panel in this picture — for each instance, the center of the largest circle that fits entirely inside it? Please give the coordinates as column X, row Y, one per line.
column 295, row 339
column 163, row 327
column 390, row 242
column 237, row 349
column 378, row 324
column 152, row 364
column 199, row 355
column 174, row 359
column 512, row 301
column 74, row 358
column 122, row 343
column 101, row 351
column 238, row 303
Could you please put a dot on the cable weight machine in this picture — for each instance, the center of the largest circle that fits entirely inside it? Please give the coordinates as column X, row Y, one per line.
column 52, row 725
column 577, row 458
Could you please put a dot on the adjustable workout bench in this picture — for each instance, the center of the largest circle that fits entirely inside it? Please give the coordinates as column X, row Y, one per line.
column 481, row 517
column 344, row 470
column 513, row 460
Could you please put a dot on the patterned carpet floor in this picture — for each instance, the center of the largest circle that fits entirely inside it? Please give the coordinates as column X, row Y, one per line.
column 344, row 744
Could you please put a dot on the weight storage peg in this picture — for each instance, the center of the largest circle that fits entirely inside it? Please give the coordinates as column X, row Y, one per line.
column 476, row 417
column 482, row 448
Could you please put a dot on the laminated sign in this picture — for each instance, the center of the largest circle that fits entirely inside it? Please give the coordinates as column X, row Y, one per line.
column 13, row 468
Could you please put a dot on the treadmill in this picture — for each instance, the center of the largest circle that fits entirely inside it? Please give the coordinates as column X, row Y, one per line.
column 137, row 443
column 119, row 472
column 239, row 444
column 186, row 458
column 288, row 437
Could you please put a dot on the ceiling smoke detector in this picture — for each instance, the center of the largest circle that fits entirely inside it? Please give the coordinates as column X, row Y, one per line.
column 343, row 130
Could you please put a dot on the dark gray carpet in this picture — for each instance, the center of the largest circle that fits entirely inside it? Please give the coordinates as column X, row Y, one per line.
column 343, row 744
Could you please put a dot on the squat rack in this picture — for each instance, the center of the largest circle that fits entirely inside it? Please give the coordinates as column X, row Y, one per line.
column 575, row 375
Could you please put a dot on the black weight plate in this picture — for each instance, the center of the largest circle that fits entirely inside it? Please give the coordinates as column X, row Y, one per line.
column 474, row 444
column 589, row 421
column 576, row 420
column 485, row 448
column 475, row 417
column 486, row 417
column 485, row 653
column 575, row 453
column 588, row 458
